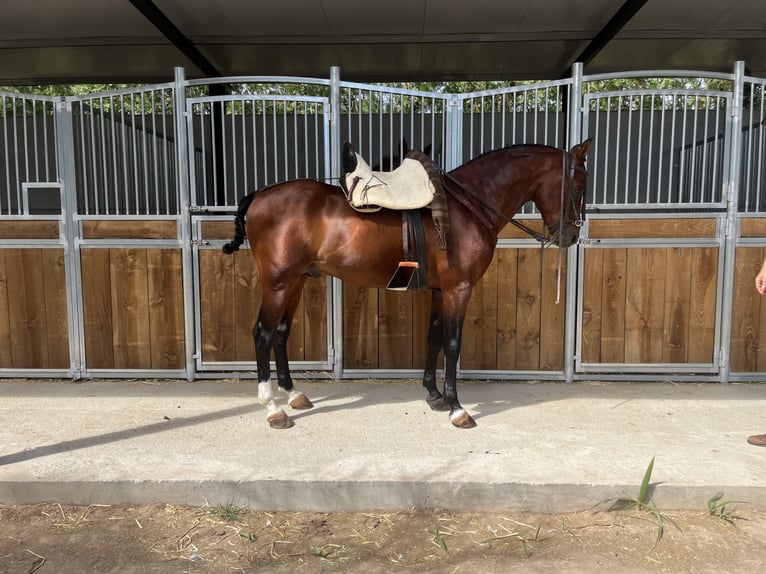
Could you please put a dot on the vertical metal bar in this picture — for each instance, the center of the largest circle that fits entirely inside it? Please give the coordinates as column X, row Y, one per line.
column 639, row 141
column 335, row 285
column 660, row 150
column 134, row 155
column 233, row 154
column 704, row 170
column 717, row 147
column 115, row 174
column 16, row 155
column 94, row 151
column 183, row 192
column 155, row 157
column 83, row 158
column 7, row 155
column 243, row 128
column 104, row 171
column 592, row 172
column 693, row 158
column 571, row 301
column 628, row 146
column 65, row 152
column 670, row 150
column 650, row 151
column 761, row 131
column 730, row 239
column 254, row 126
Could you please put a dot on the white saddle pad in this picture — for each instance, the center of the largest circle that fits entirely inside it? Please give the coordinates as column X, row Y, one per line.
column 407, row 187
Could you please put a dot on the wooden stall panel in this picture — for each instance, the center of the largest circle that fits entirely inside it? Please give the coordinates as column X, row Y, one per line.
column 649, row 305
column 230, row 295
column 385, row 329
column 133, row 308
column 513, row 321
column 29, row 229
column 748, row 329
column 33, row 314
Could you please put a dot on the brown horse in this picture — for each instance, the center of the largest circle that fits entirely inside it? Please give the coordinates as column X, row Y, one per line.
column 304, row 228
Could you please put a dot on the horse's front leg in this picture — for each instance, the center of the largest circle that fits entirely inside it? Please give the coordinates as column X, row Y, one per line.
column 295, row 398
column 435, row 343
column 454, row 314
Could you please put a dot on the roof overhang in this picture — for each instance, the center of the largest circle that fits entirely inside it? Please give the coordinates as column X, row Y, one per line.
column 136, row 41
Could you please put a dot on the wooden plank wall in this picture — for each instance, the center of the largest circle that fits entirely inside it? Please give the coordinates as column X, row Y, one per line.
column 132, row 298
column 508, row 326
column 34, row 332
column 230, row 298
column 748, row 330
column 649, row 304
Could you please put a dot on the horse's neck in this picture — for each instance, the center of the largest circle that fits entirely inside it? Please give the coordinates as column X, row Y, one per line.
column 503, row 192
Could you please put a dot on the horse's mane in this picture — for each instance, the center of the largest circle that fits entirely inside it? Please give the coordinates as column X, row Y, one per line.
column 520, row 149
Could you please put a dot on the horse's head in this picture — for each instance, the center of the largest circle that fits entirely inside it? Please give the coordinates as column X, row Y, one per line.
column 561, row 196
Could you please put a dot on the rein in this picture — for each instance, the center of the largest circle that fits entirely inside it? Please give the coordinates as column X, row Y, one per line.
column 568, row 170
column 566, row 185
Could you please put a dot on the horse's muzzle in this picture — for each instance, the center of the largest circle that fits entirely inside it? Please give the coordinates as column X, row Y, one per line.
column 566, row 237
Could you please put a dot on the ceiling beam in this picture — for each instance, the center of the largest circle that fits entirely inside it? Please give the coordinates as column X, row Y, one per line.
column 152, row 13
column 609, row 31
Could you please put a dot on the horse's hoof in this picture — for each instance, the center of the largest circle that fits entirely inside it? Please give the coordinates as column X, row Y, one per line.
column 462, row 420
column 279, row 420
column 300, row 402
column 437, row 403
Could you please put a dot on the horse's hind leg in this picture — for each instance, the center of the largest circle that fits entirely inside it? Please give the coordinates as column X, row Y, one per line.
column 264, row 337
column 435, row 344
column 295, row 398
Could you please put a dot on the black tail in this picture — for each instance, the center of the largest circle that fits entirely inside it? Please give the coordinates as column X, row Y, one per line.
column 239, row 225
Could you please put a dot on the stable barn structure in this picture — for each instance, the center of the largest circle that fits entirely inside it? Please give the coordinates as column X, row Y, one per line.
column 114, row 207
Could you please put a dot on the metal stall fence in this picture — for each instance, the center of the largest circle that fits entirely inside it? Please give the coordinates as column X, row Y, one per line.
column 747, row 327
column 258, row 134
column 36, row 314
column 113, row 210
column 652, row 260
column 121, row 151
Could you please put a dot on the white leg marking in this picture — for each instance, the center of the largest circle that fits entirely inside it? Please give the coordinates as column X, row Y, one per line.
column 266, row 397
column 457, row 413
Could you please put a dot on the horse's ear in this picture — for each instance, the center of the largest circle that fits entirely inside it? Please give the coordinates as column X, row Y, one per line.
column 348, row 158
column 404, row 147
column 581, row 151
column 427, row 149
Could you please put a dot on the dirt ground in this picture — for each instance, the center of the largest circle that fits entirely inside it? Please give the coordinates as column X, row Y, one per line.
column 50, row 538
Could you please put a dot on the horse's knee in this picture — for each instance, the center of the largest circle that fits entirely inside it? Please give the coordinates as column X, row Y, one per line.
column 262, row 337
column 282, row 333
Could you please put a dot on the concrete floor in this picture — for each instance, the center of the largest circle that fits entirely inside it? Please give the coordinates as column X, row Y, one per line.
column 375, row 445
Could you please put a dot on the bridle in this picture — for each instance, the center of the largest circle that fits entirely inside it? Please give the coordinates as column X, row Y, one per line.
column 568, row 170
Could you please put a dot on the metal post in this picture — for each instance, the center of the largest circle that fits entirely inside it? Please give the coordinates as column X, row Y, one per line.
column 730, row 236
column 336, row 285
column 453, row 156
column 184, row 202
column 570, row 316
column 69, row 235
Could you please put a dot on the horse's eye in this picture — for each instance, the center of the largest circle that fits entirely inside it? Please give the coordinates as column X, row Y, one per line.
column 578, row 190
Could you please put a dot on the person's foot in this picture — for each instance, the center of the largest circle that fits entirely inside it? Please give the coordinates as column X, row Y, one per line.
column 757, row 439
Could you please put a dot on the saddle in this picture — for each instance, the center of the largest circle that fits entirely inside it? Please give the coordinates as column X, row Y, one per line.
column 415, row 184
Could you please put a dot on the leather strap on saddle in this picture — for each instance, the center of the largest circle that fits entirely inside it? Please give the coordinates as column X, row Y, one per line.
column 439, row 211
column 411, row 274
